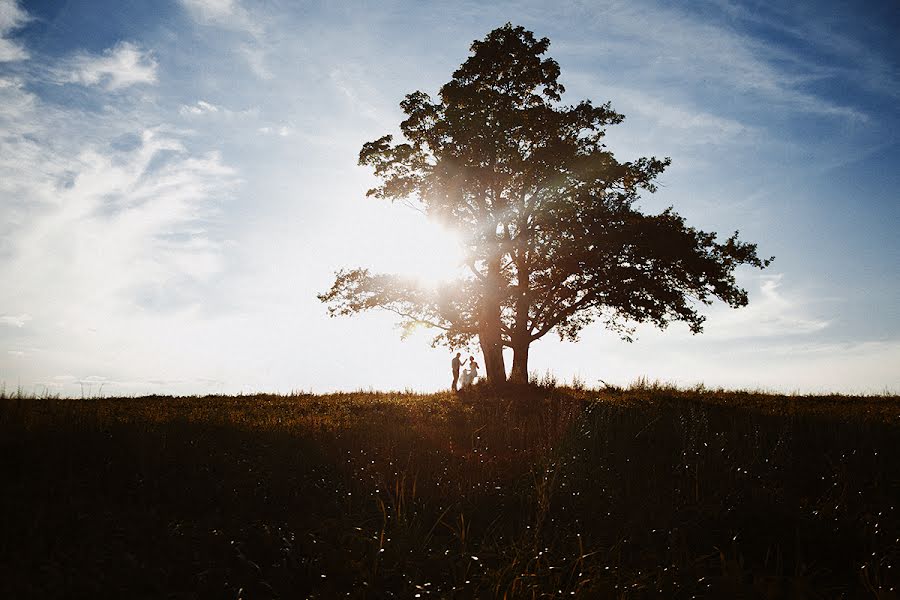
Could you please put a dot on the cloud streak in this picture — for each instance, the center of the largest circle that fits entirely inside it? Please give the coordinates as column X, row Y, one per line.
column 857, row 61
column 231, row 15
column 121, row 66
column 12, row 17
column 670, row 48
column 15, row 320
column 772, row 313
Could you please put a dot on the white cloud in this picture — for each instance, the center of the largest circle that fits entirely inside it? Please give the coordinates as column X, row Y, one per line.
column 202, row 108
column 123, row 65
column 771, row 313
column 227, row 14
column 105, row 239
column 12, row 17
column 126, row 227
column 211, row 9
column 199, row 108
column 224, row 13
column 15, row 320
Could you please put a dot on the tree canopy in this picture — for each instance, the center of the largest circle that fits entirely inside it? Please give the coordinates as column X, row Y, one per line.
column 554, row 240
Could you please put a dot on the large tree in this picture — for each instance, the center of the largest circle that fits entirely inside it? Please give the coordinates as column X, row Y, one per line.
column 554, row 240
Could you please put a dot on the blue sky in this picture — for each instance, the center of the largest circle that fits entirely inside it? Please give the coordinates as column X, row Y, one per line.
column 178, row 180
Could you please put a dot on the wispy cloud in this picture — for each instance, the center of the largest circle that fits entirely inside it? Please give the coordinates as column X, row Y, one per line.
column 856, row 61
column 123, row 65
column 215, row 115
column 232, row 16
column 670, row 47
column 129, row 224
column 223, row 13
column 12, row 17
column 772, row 313
column 351, row 83
column 694, row 126
column 15, row 320
column 201, row 107
column 110, row 221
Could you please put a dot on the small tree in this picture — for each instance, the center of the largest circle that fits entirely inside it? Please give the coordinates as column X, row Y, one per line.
column 553, row 238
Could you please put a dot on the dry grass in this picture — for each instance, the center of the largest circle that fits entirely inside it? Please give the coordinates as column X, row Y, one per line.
column 540, row 492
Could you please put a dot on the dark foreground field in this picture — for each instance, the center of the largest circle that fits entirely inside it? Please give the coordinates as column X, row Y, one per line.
column 541, row 493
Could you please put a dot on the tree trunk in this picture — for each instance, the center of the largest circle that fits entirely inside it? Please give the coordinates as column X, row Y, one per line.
column 521, row 330
column 492, row 344
column 519, row 372
column 494, row 366
column 490, row 336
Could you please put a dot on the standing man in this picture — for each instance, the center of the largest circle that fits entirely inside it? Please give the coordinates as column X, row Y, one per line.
column 455, row 366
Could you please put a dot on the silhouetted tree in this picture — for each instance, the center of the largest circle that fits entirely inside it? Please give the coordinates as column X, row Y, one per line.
column 547, row 213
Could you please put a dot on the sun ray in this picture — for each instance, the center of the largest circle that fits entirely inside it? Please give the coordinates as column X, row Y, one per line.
column 436, row 255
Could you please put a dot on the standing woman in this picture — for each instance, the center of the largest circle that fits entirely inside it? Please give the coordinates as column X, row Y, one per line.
column 466, row 379
column 473, row 370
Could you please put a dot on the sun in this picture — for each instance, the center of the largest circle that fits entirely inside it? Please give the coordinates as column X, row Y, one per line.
column 436, row 255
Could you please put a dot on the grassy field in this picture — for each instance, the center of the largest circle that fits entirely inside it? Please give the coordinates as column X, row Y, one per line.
column 649, row 492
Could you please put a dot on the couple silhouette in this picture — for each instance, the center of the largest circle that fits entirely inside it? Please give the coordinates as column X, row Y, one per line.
column 469, row 374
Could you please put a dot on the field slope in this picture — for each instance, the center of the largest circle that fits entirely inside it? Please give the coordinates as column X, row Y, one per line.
column 539, row 492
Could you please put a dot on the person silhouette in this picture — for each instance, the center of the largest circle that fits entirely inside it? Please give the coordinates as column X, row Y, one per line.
column 455, row 364
column 472, row 371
